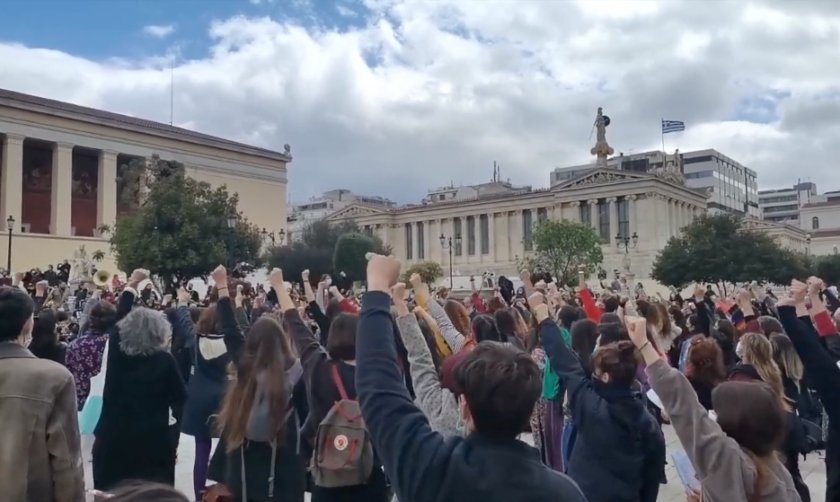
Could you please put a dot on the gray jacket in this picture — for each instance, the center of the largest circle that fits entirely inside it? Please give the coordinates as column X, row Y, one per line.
column 726, row 472
column 438, row 404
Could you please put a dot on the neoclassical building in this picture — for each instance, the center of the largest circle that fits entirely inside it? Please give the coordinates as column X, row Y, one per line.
column 60, row 177
column 495, row 228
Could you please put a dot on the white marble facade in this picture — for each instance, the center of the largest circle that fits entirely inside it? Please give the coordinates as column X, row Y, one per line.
column 493, row 228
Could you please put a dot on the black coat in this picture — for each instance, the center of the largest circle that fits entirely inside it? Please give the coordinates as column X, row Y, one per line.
column 132, row 435
column 619, row 451
column 423, row 465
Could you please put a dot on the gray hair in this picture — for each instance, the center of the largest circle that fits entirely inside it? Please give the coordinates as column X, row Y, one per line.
column 143, row 332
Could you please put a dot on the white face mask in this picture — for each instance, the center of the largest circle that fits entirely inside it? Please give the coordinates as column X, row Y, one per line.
column 739, row 350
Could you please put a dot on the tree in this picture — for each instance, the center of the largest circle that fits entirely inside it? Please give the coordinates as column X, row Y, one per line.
column 429, row 271
column 827, row 268
column 316, row 251
column 562, row 247
column 350, row 253
column 720, row 249
column 180, row 230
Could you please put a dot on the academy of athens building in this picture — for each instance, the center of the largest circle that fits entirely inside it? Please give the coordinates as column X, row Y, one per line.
column 495, row 226
column 60, row 174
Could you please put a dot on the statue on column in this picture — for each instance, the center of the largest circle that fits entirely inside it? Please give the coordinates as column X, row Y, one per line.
column 602, row 149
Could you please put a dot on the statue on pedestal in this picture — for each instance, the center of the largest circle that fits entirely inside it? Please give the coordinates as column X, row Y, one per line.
column 602, row 149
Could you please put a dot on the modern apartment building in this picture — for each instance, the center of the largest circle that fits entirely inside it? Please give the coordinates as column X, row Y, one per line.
column 783, row 204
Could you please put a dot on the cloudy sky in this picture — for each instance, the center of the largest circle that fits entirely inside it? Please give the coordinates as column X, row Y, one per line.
column 392, row 97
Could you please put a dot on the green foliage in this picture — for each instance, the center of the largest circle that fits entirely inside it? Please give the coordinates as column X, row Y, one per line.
column 180, row 231
column 561, row 247
column 827, row 268
column 316, row 251
column 719, row 248
column 429, row 271
column 349, row 255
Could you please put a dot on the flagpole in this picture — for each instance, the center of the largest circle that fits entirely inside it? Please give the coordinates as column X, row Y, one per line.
column 662, row 130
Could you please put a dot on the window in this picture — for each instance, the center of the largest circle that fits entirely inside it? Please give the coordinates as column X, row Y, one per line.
column 623, row 218
column 585, row 214
column 815, row 223
column 471, row 235
column 409, row 242
column 456, row 229
column 604, row 220
column 542, row 214
column 421, row 241
column 527, row 230
column 694, row 160
column 484, row 221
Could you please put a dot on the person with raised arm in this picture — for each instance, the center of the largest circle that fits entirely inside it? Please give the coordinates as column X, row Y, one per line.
column 619, row 452
column 499, row 386
column 735, row 455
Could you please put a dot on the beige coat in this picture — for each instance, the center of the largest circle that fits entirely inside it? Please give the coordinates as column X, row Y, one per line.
column 40, row 453
column 726, row 472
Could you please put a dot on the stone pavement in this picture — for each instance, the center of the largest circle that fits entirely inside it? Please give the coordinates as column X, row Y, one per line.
column 813, row 470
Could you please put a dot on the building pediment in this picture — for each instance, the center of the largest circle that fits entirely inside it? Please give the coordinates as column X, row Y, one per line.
column 355, row 211
column 601, row 177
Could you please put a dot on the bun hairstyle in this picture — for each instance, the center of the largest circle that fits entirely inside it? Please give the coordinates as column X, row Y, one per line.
column 619, row 360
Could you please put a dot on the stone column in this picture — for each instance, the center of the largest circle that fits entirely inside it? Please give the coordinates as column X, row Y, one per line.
column 478, row 236
column 613, row 220
column 594, row 217
column 574, row 211
column 631, row 213
column 491, row 236
column 517, row 247
column 11, row 181
column 106, row 189
column 62, row 184
column 504, row 253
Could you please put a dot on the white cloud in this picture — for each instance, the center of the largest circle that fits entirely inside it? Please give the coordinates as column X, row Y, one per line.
column 345, row 11
column 428, row 92
column 159, row 30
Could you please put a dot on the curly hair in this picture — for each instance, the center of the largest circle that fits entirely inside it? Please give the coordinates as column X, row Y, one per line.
column 705, row 361
column 144, row 331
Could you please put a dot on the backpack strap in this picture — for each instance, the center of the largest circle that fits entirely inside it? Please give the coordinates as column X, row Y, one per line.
column 336, row 378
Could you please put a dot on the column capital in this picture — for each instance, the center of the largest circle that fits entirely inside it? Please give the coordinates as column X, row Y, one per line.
column 592, row 202
column 612, row 200
column 12, row 138
column 632, row 196
column 108, row 153
column 574, row 203
column 64, row 145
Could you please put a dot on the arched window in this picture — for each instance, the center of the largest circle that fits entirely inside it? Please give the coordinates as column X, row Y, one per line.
column 815, row 223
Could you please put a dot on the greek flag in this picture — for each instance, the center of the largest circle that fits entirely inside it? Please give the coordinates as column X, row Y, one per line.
column 672, row 126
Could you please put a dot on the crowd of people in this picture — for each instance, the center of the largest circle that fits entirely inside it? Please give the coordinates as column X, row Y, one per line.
column 413, row 394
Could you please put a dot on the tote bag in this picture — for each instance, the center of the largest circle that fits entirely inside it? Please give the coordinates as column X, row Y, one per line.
column 89, row 416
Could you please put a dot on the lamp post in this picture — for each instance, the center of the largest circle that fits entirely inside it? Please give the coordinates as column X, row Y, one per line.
column 447, row 243
column 281, row 236
column 232, row 220
column 10, row 225
column 807, row 244
column 268, row 235
column 628, row 243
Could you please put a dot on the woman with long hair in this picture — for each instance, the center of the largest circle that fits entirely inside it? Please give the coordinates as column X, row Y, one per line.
column 704, row 368
column 735, row 454
column 258, row 457
column 45, row 343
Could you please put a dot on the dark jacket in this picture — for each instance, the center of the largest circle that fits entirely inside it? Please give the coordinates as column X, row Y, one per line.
column 825, row 377
column 619, row 453
column 289, row 472
column 422, row 465
column 132, row 435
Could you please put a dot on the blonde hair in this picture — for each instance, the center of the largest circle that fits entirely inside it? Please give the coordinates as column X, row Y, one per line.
column 758, row 352
column 786, row 357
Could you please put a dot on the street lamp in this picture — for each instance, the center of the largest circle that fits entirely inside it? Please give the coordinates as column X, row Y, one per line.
column 268, row 235
column 446, row 243
column 807, row 244
column 232, row 219
column 281, row 236
column 10, row 225
column 628, row 243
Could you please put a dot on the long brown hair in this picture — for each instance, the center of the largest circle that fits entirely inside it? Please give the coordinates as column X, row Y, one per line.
column 459, row 316
column 263, row 363
column 705, row 361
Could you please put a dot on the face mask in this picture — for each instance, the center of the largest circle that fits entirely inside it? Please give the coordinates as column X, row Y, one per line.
column 739, row 350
